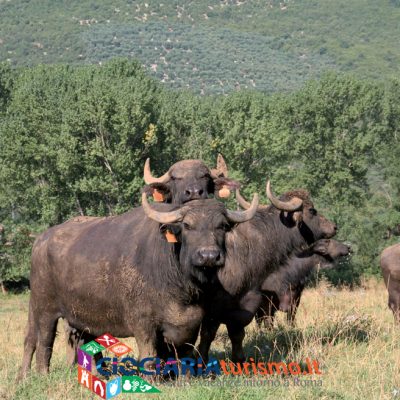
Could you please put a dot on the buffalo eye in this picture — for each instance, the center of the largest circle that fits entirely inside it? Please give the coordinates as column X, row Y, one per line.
column 223, row 227
column 313, row 211
column 187, row 226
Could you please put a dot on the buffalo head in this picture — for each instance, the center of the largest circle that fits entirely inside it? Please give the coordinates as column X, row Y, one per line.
column 330, row 249
column 200, row 228
column 189, row 180
column 297, row 209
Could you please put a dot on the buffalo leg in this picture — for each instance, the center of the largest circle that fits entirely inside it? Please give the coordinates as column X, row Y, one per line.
column 291, row 315
column 47, row 332
column 74, row 341
column 236, row 335
column 29, row 346
column 394, row 304
column 268, row 320
column 265, row 314
column 208, row 332
column 147, row 345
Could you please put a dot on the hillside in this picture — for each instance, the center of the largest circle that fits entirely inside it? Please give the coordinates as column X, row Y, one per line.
column 210, row 46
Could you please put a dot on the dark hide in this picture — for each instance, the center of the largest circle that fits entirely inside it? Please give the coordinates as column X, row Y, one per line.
column 188, row 180
column 390, row 265
column 282, row 289
column 120, row 275
column 254, row 250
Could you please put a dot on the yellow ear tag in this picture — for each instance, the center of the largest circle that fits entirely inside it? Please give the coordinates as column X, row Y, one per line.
column 157, row 196
column 224, row 192
column 171, row 238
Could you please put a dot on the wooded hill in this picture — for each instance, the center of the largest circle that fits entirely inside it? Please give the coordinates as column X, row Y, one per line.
column 210, row 46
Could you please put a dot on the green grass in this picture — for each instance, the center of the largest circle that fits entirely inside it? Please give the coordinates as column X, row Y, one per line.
column 350, row 333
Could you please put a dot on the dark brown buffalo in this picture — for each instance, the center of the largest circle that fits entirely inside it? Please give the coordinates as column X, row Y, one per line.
column 189, row 180
column 390, row 265
column 184, row 181
column 254, row 250
column 120, row 275
column 283, row 288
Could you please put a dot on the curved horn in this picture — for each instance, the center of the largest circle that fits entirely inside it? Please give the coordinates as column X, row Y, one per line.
column 242, row 202
column 221, row 169
column 243, row 216
column 168, row 217
column 292, row 205
column 148, row 178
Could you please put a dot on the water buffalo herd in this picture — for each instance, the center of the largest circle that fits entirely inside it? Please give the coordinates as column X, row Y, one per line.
column 170, row 271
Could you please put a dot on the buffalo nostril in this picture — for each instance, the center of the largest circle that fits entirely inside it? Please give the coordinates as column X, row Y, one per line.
column 209, row 256
column 188, row 193
column 201, row 192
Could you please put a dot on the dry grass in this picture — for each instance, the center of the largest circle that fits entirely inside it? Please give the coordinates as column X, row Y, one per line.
column 350, row 333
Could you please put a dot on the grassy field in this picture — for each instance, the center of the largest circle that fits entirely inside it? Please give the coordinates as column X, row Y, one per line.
column 350, row 333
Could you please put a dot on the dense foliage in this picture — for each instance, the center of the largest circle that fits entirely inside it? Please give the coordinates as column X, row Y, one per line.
column 73, row 140
column 212, row 46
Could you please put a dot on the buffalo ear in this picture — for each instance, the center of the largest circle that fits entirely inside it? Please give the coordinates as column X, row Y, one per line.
column 221, row 166
column 290, row 218
column 231, row 184
column 222, row 185
column 172, row 232
column 159, row 191
column 298, row 216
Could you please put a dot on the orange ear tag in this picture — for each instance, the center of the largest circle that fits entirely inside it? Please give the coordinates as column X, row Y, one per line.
column 157, row 196
column 224, row 192
column 171, row 238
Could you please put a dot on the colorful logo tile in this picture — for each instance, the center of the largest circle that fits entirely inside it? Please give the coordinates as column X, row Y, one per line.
column 99, row 387
column 92, row 348
column 120, row 349
column 107, row 340
column 114, row 387
column 84, row 360
column 135, row 384
column 84, row 378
